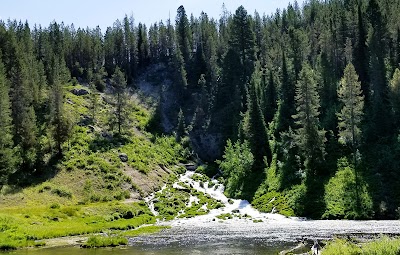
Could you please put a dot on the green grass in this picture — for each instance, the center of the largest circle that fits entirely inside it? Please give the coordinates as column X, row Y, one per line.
column 381, row 246
column 79, row 194
column 20, row 227
column 172, row 202
column 105, row 241
column 267, row 202
column 146, row 230
column 224, row 216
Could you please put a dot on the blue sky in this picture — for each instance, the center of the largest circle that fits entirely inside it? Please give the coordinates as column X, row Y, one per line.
column 91, row 13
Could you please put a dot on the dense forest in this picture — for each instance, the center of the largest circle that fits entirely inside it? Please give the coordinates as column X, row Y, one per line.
column 301, row 106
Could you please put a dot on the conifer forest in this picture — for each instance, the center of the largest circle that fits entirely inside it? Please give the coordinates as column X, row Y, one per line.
column 301, row 106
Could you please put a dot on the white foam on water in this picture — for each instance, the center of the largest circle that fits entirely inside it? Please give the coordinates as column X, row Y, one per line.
column 238, row 207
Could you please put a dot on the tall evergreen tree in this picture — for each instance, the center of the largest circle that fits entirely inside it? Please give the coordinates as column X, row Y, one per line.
column 7, row 157
column 309, row 137
column 350, row 116
column 183, row 34
column 254, row 127
column 380, row 125
column 60, row 119
column 23, row 113
column 119, row 83
column 286, row 106
column 242, row 40
column 395, row 96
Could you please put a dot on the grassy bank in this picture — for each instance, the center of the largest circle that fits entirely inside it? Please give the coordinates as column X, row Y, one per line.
column 81, row 192
column 21, row 227
column 382, row 246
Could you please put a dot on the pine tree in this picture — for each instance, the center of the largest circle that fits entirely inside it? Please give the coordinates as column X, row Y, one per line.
column 23, row 114
column 7, row 157
column 60, row 119
column 181, row 127
column 270, row 98
column 309, row 137
column 254, row 128
column 94, row 102
column 380, row 125
column 242, row 41
column 395, row 96
column 350, row 116
column 119, row 83
column 183, row 34
column 286, row 106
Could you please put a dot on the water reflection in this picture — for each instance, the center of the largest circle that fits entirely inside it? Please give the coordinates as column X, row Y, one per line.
column 239, row 247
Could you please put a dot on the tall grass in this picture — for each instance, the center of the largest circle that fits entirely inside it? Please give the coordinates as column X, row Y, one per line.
column 381, row 246
column 105, row 241
column 20, row 227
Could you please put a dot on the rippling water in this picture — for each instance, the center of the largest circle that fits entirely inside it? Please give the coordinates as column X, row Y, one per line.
column 210, row 236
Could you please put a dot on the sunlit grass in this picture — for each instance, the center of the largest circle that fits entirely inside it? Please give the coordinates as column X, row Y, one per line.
column 105, row 241
column 381, row 246
column 20, row 227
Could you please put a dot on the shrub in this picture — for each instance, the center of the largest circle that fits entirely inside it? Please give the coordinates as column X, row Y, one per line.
column 62, row 192
column 55, row 206
column 341, row 195
column 105, row 241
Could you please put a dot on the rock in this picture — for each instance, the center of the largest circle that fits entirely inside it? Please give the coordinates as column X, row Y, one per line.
column 91, row 129
column 106, row 135
column 123, row 157
column 84, row 121
column 79, row 92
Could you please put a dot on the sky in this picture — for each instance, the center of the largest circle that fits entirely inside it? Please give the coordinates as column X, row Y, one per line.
column 90, row 13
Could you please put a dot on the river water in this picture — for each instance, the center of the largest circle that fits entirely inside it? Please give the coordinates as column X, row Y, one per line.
column 260, row 233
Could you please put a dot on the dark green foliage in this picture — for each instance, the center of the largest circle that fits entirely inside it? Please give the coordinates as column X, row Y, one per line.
column 273, row 202
column 7, row 158
column 183, row 34
column 345, row 196
column 181, row 129
column 209, row 69
column 309, row 137
column 253, row 125
column 60, row 119
column 120, row 113
column 236, row 166
column 23, row 113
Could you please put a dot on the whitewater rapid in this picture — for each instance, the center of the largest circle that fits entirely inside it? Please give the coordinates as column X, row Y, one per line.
column 258, row 228
column 231, row 206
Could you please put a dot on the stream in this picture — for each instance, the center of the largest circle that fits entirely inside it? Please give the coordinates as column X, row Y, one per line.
column 250, row 232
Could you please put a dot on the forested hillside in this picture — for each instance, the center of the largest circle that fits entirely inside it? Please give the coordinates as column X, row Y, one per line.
column 300, row 109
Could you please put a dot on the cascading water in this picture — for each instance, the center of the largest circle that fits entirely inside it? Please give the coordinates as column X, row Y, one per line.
column 242, row 209
column 249, row 228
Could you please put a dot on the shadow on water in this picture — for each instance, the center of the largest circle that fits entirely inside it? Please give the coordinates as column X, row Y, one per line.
column 210, row 248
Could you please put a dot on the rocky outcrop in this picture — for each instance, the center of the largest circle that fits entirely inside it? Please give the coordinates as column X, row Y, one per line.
column 79, row 92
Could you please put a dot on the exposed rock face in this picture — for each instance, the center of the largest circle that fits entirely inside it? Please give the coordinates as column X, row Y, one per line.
column 79, row 92
column 207, row 146
column 123, row 157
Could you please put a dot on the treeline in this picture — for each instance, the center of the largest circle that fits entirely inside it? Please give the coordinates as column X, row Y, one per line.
column 308, row 97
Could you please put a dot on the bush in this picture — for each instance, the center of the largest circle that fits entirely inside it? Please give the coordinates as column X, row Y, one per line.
column 236, row 165
column 382, row 246
column 341, row 195
column 105, row 241
column 62, row 192
column 273, row 200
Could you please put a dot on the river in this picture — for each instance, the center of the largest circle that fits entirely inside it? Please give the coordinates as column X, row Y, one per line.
column 263, row 233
